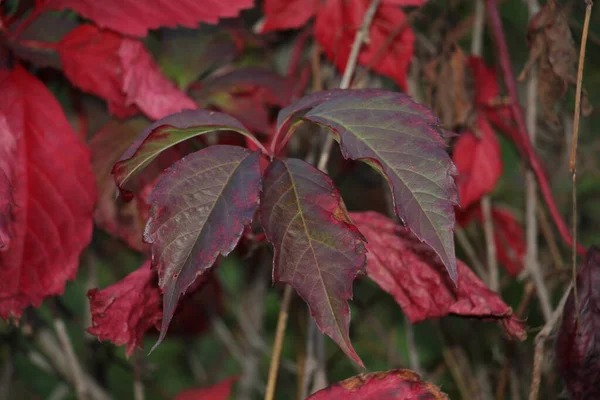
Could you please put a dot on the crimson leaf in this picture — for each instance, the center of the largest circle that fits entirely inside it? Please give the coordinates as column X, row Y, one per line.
column 317, row 249
column 398, row 384
column 53, row 191
column 401, row 140
column 411, row 273
column 578, row 341
column 123, row 312
column 199, row 209
column 8, row 155
column 166, row 133
column 219, row 391
column 134, row 18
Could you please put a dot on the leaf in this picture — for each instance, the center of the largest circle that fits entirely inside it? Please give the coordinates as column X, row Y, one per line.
column 124, row 311
column 8, row 159
column 135, row 18
column 53, row 192
column 187, row 54
column 288, row 14
column 121, row 71
column 413, row 275
column 248, row 94
column 317, row 248
column 123, row 220
column 401, row 140
column 479, row 162
column 397, row 384
column 578, row 342
column 335, row 29
column 199, row 209
column 220, row 391
column 166, row 133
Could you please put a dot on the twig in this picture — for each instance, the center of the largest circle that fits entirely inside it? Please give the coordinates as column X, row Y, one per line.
column 549, row 236
column 478, row 23
column 6, row 377
column 517, row 112
column 74, row 366
column 413, row 356
column 540, row 340
column 359, row 39
column 573, row 159
column 278, row 345
column 138, row 383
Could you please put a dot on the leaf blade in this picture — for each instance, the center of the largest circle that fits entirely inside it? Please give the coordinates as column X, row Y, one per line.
column 223, row 185
column 305, row 219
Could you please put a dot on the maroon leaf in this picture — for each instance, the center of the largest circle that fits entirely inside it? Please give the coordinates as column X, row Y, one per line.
column 199, row 209
column 120, row 70
column 220, row 391
column 134, row 18
column 53, row 192
column 578, row 342
column 478, row 161
column 414, row 276
column 166, row 133
column 124, row 311
column 397, row 384
column 401, row 140
column 8, row 159
column 317, row 249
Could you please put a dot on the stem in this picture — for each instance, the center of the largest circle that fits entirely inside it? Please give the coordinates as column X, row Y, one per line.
column 573, row 159
column 280, row 333
column 521, row 137
column 359, row 39
column 488, row 229
column 74, row 365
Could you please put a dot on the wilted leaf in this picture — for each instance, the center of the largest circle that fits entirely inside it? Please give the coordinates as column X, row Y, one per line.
column 413, row 274
column 578, row 342
column 166, row 133
column 220, row 391
column 121, row 71
column 199, row 209
column 401, row 140
column 317, row 249
column 124, row 311
column 397, row 384
column 479, row 162
column 135, row 18
column 53, row 192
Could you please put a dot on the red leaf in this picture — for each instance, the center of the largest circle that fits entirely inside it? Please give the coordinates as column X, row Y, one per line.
column 220, row 391
column 54, row 195
column 288, row 14
column 132, row 17
column 121, row 71
column 398, row 384
column 510, row 241
column 335, row 29
column 478, row 161
column 199, row 209
column 487, row 90
column 8, row 150
column 578, row 344
column 317, row 249
column 124, row 311
column 408, row 270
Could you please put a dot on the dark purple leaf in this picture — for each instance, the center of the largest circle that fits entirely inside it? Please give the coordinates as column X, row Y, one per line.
column 199, row 209
column 166, row 133
column 401, row 140
column 317, row 249
column 578, row 347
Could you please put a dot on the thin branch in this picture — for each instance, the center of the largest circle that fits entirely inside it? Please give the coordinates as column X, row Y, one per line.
column 359, row 39
column 413, row 355
column 76, row 372
column 517, row 112
column 465, row 243
column 6, row 377
column 573, row 159
column 540, row 340
column 277, row 347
